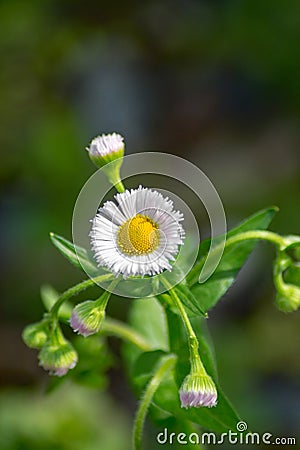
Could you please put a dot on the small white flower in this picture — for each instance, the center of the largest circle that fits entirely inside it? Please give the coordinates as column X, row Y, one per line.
column 140, row 234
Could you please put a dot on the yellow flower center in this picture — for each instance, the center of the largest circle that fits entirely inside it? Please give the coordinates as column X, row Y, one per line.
column 138, row 236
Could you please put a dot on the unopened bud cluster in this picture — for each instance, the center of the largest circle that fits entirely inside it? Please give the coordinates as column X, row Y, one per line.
column 56, row 354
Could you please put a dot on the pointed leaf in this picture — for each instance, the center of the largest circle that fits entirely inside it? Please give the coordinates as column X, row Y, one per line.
column 189, row 300
column 147, row 317
column 75, row 254
column 233, row 258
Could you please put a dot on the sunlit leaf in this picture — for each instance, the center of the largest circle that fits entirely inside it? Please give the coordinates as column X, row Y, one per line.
column 208, row 293
column 189, row 300
column 147, row 317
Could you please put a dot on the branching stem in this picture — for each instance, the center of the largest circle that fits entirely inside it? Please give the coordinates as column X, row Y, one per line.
column 75, row 290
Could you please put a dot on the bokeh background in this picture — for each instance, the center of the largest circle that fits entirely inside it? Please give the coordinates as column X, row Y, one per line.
column 217, row 82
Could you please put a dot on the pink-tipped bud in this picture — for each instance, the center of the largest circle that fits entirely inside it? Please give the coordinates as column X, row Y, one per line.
column 197, row 391
column 106, row 148
column 57, row 355
column 87, row 317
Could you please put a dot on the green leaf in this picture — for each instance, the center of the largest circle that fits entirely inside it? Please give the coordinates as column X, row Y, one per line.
column 143, row 368
column 189, row 300
column 94, row 359
column 78, row 256
column 49, row 296
column 147, row 317
column 233, row 258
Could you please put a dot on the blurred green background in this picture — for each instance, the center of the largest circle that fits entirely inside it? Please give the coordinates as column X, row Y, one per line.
column 217, row 82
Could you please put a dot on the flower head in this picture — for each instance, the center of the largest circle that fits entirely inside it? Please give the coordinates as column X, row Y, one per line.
column 106, row 148
column 139, row 234
column 57, row 355
column 198, row 390
column 35, row 335
column 286, row 276
column 87, row 317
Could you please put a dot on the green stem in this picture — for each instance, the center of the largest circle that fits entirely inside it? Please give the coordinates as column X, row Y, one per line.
column 74, row 290
column 119, row 186
column 116, row 328
column 195, row 360
column 257, row 234
column 274, row 238
column 165, row 365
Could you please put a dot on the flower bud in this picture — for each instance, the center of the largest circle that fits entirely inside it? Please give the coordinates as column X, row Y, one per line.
column 288, row 299
column 58, row 355
column 198, row 390
column 105, row 149
column 87, row 317
column 285, row 275
column 35, row 335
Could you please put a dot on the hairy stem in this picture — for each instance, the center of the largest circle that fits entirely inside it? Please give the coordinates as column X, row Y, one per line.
column 75, row 290
column 166, row 364
column 195, row 360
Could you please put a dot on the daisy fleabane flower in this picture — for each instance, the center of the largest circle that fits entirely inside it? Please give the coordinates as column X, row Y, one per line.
column 138, row 234
column 106, row 148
